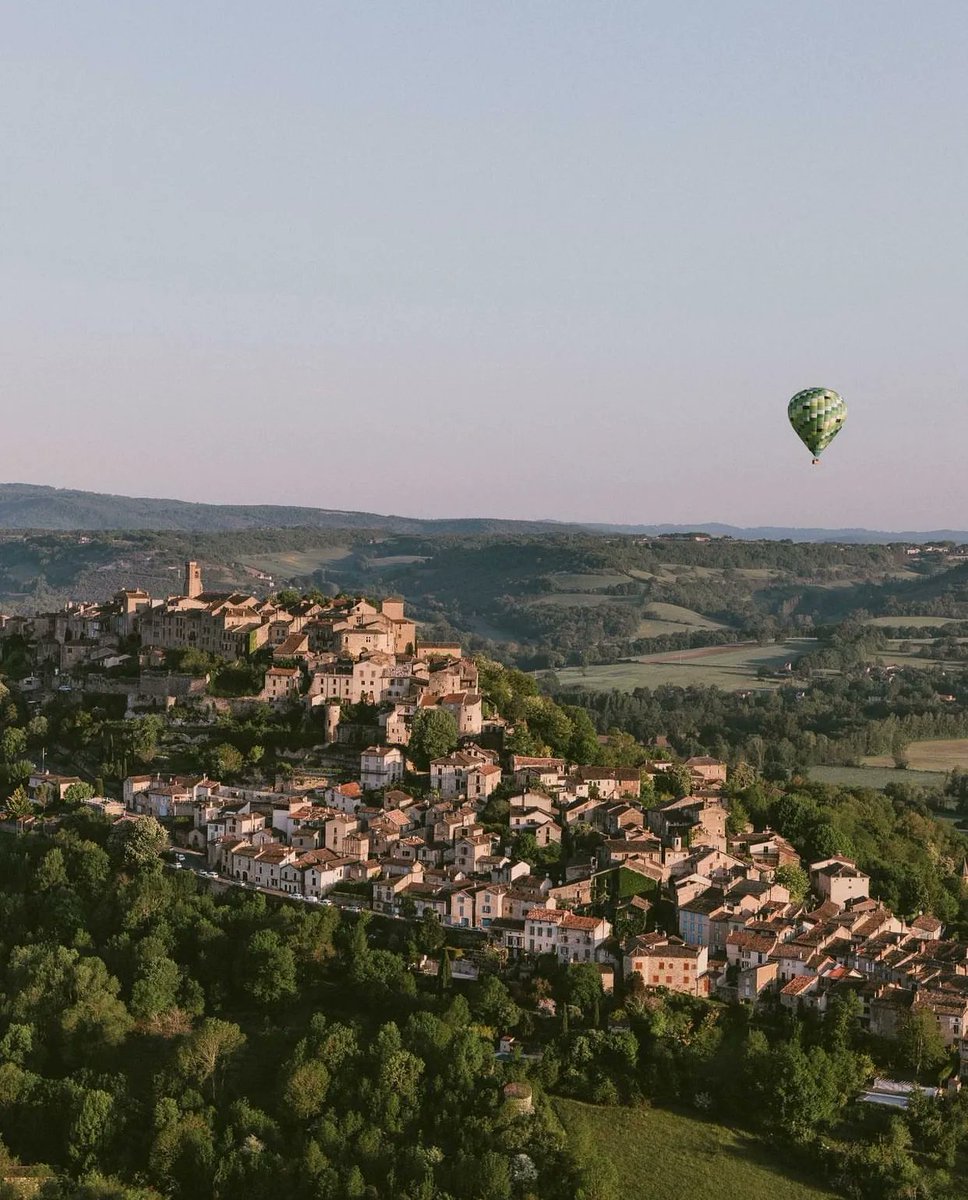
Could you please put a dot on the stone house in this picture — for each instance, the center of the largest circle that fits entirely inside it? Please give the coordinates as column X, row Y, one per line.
column 839, row 880
column 709, row 770
column 381, row 767
column 667, row 962
column 559, row 932
column 281, row 684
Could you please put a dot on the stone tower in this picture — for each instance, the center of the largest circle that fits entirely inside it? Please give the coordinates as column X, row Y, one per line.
column 193, row 580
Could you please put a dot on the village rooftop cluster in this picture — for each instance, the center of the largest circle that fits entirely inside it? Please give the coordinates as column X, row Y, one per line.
column 736, row 933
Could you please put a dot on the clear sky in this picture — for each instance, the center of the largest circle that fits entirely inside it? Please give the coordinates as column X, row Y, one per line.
column 524, row 259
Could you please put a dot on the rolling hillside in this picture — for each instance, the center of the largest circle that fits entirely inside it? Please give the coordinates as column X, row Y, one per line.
column 39, row 507
column 34, row 507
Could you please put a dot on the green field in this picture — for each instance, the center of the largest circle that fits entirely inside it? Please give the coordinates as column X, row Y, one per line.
column 587, row 583
column 662, row 619
column 651, row 629
column 873, row 777
column 654, row 1154
column 911, row 622
column 686, row 616
column 895, row 658
column 289, row 563
column 661, row 574
column 396, row 560
column 732, row 668
column 934, row 754
column 578, row 599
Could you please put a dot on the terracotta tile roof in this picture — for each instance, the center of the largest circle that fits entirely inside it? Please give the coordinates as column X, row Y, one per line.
column 798, row 985
column 588, row 923
column 545, row 914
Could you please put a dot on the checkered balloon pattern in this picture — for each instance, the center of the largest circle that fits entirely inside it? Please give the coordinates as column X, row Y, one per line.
column 817, row 415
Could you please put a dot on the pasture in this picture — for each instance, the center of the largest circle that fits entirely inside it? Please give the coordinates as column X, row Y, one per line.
column 661, row 619
column 288, row 564
column 732, row 668
column 911, row 622
column 655, row 1154
column 577, row 599
column 396, row 560
column 934, row 754
column 590, row 582
column 684, row 616
column 876, row 778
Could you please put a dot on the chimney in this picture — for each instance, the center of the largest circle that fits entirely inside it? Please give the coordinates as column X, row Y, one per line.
column 193, row 580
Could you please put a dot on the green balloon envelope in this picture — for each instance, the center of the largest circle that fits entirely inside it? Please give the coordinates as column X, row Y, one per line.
column 817, row 415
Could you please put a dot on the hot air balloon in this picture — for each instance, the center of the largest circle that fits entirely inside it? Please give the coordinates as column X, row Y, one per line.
column 817, row 415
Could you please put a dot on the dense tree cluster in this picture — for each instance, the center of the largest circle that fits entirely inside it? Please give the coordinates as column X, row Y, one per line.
column 827, row 719
column 188, row 1045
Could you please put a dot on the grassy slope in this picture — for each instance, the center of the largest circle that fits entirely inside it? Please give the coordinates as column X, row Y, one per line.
column 935, row 754
column 730, row 669
column 291, row 563
column 874, row 777
column 911, row 622
column 654, row 1154
column 676, row 613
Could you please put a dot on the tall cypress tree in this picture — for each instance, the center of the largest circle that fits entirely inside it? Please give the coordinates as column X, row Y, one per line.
column 444, row 973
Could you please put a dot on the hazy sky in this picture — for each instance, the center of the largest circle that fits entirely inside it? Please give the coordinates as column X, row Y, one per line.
column 541, row 259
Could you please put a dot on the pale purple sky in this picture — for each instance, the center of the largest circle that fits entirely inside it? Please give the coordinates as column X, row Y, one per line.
column 519, row 259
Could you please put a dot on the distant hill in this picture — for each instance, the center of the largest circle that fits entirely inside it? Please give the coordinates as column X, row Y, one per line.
column 37, row 507
column 32, row 506
column 775, row 533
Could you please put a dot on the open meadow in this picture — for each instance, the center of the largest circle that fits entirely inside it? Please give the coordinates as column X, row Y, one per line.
column 876, row 778
column 578, row 599
column 928, row 763
column 894, row 656
column 910, row 622
column 288, row 564
column 660, row 619
column 732, row 668
column 935, row 754
column 655, row 1154
column 590, row 581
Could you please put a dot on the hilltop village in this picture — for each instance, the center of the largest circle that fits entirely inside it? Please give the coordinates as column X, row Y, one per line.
column 654, row 886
